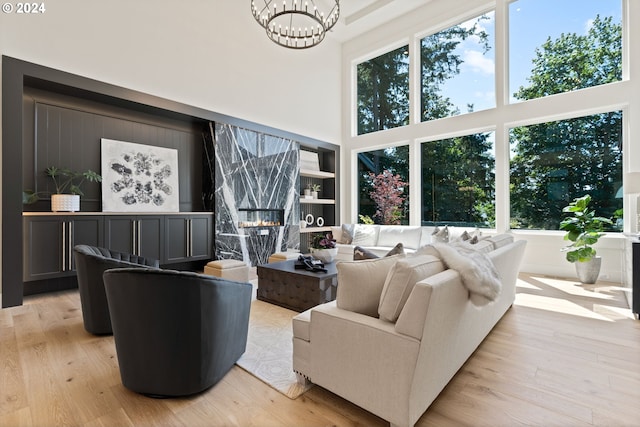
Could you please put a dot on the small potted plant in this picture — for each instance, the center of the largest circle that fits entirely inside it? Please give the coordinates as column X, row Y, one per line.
column 315, row 188
column 67, row 184
column 583, row 229
column 323, row 247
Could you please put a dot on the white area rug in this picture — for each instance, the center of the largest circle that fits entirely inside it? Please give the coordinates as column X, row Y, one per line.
column 269, row 348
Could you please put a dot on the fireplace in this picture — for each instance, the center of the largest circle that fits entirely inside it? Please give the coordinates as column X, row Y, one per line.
column 260, row 218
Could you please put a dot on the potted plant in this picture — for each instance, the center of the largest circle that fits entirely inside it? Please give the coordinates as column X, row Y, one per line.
column 67, row 184
column 323, row 247
column 583, row 229
column 315, row 188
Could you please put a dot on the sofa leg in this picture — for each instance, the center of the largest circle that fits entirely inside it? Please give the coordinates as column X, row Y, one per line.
column 302, row 380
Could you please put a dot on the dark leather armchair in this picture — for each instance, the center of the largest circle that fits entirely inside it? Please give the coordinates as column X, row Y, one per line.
column 176, row 333
column 91, row 262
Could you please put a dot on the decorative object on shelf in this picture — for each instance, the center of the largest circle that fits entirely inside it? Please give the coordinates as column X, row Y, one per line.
column 310, row 219
column 323, row 247
column 584, row 229
column 315, row 188
column 307, row 192
column 139, row 178
column 295, row 25
column 309, row 160
column 303, row 223
column 67, row 193
column 320, row 221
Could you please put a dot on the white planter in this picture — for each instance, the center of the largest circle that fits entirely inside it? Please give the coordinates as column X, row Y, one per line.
column 65, row 202
column 325, row 255
column 589, row 271
column 314, row 194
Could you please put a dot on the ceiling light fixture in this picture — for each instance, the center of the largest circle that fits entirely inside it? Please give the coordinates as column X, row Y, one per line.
column 296, row 24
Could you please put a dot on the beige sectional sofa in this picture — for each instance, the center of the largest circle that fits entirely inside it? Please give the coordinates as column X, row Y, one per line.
column 380, row 239
column 402, row 326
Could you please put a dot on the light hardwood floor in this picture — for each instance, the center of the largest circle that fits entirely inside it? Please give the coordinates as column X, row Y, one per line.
column 563, row 355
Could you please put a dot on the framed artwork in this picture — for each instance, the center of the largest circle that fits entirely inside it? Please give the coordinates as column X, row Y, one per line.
column 139, row 177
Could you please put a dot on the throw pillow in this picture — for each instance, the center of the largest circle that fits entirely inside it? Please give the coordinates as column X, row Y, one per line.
column 397, row 250
column 347, row 234
column 365, row 235
column 360, row 253
column 441, row 235
column 361, row 283
column 401, row 280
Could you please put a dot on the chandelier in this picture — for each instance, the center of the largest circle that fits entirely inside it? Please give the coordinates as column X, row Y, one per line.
column 296, row 24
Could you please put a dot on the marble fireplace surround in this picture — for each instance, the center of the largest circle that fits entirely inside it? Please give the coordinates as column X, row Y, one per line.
column 253, row 172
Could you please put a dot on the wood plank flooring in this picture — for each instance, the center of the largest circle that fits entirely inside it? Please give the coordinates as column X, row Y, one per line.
column 563, row 355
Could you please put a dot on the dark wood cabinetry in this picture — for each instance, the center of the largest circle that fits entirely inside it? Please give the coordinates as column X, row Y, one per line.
column 49, row 240
column 139, row 235
column 188, row 238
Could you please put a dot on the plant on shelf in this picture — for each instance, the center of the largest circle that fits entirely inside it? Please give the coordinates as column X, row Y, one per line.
column 315, row 188
column 584, row 229
column 323, row 247
column 67, row 182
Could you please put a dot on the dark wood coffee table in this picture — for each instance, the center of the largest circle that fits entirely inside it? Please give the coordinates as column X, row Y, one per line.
column 282, row 284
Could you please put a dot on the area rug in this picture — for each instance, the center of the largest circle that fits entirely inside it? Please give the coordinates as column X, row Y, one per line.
column 269, row 348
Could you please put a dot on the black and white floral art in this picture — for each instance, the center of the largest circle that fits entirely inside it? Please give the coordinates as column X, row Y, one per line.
column 138, row 177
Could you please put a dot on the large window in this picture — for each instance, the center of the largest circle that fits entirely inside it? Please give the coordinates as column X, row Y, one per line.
column 383, row 91
column 561, row 46
column 553, row 163
column 382, row 186
column 458, row 181
column 458, row 69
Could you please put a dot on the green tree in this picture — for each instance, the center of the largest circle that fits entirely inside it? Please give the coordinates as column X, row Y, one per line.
column 556, row 162
column 458, row 181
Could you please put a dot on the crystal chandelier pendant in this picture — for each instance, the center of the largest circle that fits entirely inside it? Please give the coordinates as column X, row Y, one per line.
column 296, row 24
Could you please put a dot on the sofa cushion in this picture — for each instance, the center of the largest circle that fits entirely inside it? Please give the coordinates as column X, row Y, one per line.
column 360, row 284
column 365, row 235
column 500, row 240
column 360, row 253
column 389, row 235
column 400, row 281
column 440, row 234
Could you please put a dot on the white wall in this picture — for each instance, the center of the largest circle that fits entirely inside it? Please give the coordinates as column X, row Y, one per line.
column 543, row 251
column 206, row 53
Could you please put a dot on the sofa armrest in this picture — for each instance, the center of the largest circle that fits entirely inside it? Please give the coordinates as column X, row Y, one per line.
column 363, row 359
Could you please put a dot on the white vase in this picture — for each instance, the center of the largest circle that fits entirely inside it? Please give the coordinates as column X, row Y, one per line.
column 314, row 194
column 589, row 271
column 65, row 202
column 325, row 255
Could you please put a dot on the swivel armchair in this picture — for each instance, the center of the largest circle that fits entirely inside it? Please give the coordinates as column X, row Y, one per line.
column 91, row 262
column 176, row 333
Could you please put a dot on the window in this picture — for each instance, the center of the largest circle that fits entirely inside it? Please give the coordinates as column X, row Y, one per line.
column 458, row 69
column 553, row 163
column 561, row 46
column 383, row 91
column 458, row 181
column 382, row 185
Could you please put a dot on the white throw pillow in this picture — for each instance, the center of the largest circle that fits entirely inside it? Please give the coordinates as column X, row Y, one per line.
column 440, row 235
column 360, row 284
column 365, row 235
column 400, row 281
column 389, row 235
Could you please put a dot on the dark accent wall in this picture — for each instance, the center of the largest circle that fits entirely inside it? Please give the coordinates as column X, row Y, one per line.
column 25, row 83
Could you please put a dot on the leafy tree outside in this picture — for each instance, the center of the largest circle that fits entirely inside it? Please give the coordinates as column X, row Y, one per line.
column 553, row 163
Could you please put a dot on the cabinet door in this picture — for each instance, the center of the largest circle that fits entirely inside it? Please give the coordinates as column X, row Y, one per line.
column 176, row 239
column 149, row 237
column 119, row 233
column 44, row 246
column 87, row 230
column 201, row 237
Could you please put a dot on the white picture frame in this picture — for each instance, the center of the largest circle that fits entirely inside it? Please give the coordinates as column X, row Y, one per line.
column 139, row 177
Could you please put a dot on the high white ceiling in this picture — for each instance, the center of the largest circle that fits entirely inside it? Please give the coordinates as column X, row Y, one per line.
column 360, row 16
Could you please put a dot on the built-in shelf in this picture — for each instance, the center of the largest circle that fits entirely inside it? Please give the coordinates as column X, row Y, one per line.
column 318, row 201
column 314, row 229
column 316, row 174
